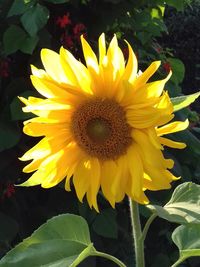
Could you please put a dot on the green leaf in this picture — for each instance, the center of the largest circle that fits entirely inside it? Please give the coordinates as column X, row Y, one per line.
column 9, row 135
column 56, row 243
column 181, row 102
column 178, row 70
column 34, row 19
column 18, row 7
column 13, row 38
column 178, row 4
column 193, row 143
column 183, row 207
column 105, row 223
column 29, row 44
column 187, row 239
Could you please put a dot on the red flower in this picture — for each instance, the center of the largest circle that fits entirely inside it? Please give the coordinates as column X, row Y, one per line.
column 63, row 21
column 4, row 68
column 167, row 66
column 78, row 30
column 9, row 191
column 67, row 41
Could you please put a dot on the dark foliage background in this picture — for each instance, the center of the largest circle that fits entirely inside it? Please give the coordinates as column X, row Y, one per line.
column 165, row 30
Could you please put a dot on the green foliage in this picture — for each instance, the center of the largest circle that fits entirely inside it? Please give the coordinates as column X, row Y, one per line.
column 34, row 19
column 187, row 239
column 183, row 101
column 16, row 39
column 56, row 243
column 183, row 206
column 62, row 241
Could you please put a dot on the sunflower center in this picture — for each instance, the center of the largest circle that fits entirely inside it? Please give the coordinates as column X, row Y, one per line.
column 100, row 128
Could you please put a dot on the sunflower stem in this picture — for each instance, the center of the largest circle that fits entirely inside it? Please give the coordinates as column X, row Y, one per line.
column 137, row 234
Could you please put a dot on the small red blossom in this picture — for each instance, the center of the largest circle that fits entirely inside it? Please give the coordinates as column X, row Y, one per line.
column 67, row 41
column 78, row 30
column 9, row 191
column 4, row 68
column 63, row 21
column 167, row 66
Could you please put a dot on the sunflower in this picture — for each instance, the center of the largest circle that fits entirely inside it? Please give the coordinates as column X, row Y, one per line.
column 102, row 124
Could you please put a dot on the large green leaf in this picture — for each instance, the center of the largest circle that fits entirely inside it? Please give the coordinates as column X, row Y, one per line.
column 18, row 7
column 187, row 239
column 184, row 205
column 56, row 243
column 180, row 102
column 178, row 70
column 13, row 38
column 34, row 19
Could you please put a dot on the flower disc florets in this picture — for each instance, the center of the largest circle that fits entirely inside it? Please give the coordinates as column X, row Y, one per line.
column 100, row 128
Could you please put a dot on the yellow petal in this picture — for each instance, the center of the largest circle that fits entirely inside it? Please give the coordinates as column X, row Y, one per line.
column 102, row 48
column 152, row 89
column 81, row 72
column 109, row 172
column 47, row 146
column 171, row 143
column 136, row 170
column 115, row 56
column 42, row 129
column 149, row 153
column 81, row 178
column 48, row 88
column 49, row 173
column 52, row 64
column 33, row 166
column 89, row 55
column 172, row 127
column 146, row 75
column 94, row 178
column 143, row 118
column 120, row 179
column 131, row 67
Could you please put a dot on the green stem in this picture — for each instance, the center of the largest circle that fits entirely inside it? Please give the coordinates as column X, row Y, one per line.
column 178, row 262
column 137, row 234
column 148, row 223
column 109, row 257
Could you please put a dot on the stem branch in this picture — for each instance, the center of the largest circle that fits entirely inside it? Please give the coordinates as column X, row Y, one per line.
column 109, row 257
column 148, row 223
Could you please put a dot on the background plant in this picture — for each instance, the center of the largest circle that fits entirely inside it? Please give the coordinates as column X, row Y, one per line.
column 26, row 27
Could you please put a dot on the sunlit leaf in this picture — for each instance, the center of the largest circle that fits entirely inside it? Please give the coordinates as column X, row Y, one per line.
column 184, row 205
column 187, row 239
column 180, row 102
column 58, row 242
